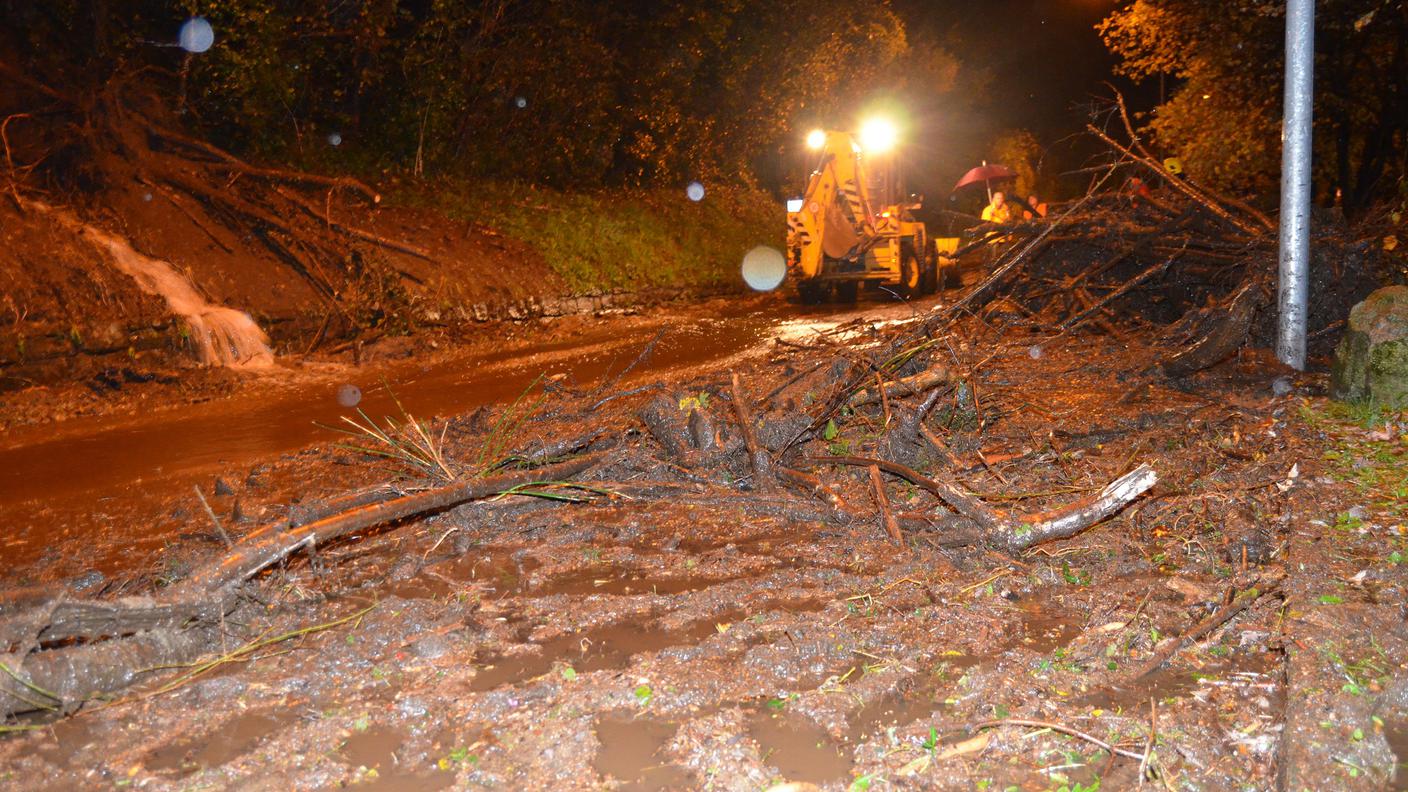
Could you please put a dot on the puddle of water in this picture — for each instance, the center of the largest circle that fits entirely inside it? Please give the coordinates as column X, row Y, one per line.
column 64, row 739
column 799, row 749
column 505, row 570
column 375, row 747
column 1396, row 733
column 420, row 587
column 408, row 782
column 917, row 700
column 501, row 570
column 632, row 751
column 1247, row 672
column 602, row 648
column 1044, row 632
column 234, row 739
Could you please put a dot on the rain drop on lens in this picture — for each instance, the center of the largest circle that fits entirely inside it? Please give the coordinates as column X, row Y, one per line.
column 196, row 35
column 764, row 268
column 1035, row 352
column 349, row 395
column 695, row 191
column 520, row 102
column 334, row 139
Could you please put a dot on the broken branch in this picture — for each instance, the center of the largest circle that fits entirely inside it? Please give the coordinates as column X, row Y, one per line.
column 757, row 455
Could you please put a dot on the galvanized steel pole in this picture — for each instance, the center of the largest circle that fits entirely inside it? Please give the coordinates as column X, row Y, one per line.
column 1294, row 288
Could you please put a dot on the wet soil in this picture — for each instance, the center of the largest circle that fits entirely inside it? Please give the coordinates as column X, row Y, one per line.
column 134, row 458
column 672, row 632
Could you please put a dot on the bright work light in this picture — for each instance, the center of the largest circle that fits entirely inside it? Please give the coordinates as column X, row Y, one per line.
column 878, row 135
column 816, row 139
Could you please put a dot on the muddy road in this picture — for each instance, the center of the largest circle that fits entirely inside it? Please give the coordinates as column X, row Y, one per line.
column 669, row 621
column 90, row 475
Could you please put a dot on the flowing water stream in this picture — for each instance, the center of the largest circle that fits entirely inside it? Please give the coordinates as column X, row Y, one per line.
column 223, row 336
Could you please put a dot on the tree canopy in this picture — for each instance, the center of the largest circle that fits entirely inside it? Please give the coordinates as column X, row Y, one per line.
column 565, row 93
column 1223, row 114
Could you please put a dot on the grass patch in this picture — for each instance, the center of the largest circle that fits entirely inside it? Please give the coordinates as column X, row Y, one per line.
column 628, row 239
column 1375, row 464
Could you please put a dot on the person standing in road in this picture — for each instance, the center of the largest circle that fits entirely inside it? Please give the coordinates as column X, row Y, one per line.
column 998, row 211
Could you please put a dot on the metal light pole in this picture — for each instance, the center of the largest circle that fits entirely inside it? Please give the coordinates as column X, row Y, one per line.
column 1294, row 288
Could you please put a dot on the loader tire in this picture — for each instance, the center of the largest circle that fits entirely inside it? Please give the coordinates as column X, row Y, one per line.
column 847, row 291
column 911, row 274
column 931, row 272
column 811, row 292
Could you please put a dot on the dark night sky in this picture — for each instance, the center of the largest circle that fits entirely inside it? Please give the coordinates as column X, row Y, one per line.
column 1046, row 60
column 1045, row 55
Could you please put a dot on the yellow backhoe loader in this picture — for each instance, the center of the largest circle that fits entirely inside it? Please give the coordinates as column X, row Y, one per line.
column 849, row 229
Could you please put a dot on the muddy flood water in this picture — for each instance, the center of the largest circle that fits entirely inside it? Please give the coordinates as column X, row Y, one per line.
column 44, row 470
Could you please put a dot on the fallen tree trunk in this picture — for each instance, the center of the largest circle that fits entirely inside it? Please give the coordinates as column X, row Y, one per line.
column 62, row 679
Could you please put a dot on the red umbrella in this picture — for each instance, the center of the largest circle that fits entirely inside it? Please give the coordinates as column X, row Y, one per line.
column 984, row 174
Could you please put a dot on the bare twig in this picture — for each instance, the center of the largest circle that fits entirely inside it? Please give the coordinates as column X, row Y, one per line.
column 1123, row 289
column 216, row 520
column 925, row 380
column 814, row 485
column 883, row 504
column 1239, row 602
column 1058, row 727
column 1016, row 535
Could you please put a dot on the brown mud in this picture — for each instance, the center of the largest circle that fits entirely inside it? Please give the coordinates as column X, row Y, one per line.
column 675, row 631
column 140, row 453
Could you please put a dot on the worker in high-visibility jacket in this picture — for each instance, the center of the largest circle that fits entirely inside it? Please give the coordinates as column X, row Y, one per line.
column 998, row 211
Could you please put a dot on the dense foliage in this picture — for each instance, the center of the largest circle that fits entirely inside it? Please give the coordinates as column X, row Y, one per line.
column 1223, row 114
column 548, row 91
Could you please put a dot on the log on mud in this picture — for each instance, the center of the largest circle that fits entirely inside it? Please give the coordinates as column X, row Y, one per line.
column 1224, row 329
column 60, row 680
column 1013, row 534
column 273, row 543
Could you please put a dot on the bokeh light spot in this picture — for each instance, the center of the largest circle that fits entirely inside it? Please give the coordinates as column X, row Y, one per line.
column 349, row 395
column 521, row 102
column 695, row 191
column 764, row 268
column 196, row 35
column 335, row 139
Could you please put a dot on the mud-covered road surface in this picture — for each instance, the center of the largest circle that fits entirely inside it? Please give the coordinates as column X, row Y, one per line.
column 52, row 475
column 679, row 625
